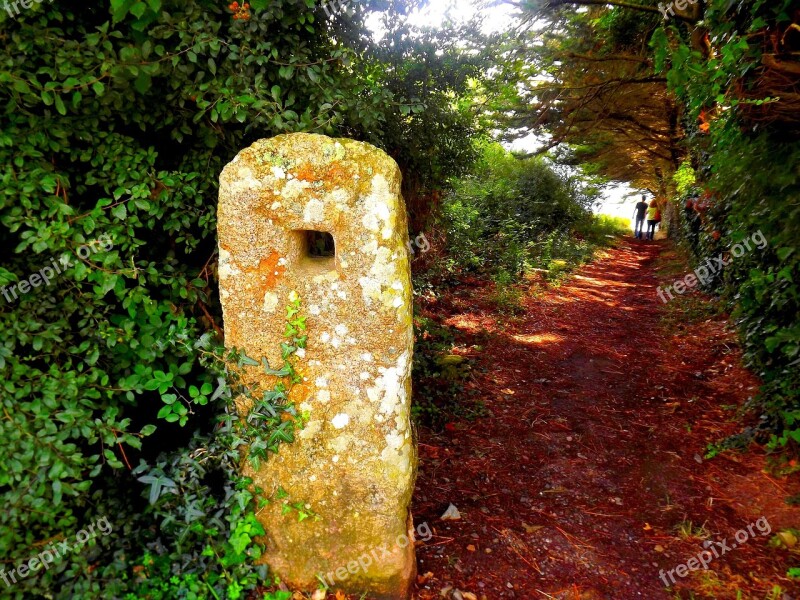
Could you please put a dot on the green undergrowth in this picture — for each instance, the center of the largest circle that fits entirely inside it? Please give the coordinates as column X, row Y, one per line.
column 743, row 172
column 511, row 215
column 440, row 375
column 686, row 309
column 558, row 256
column 206, row 542
column 192, row 533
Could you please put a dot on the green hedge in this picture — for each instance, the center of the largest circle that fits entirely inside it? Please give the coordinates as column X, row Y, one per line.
column 117, row 119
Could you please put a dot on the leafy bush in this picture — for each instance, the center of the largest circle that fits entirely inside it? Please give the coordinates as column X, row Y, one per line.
column 510, row 214
column 603, row 227
column 117, row 119
column 507, row 294
column 206, row 510
column 745, row 166
column 759, row 191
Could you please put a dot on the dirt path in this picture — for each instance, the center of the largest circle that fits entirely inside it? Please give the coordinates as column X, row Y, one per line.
column 590, row 461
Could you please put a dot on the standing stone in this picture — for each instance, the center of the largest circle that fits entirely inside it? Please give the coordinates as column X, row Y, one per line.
column 353, row 462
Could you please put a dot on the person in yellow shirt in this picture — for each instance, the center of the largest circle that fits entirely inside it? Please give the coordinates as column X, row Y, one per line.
column 653, row 218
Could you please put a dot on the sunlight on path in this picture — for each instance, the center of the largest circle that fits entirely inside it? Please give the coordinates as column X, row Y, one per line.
column 578, row 479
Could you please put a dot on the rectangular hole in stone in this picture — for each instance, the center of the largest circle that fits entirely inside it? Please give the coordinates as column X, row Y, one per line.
column 319, row 244
column 313, row 251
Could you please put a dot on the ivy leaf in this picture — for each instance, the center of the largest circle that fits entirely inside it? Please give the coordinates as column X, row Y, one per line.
column 784, row 253
column 57, row 492
column 22, row 86
column 247, row 361
column 138, row 9
column 120, row 8
column 142, row 83
column 59, row 103
column 120, row 212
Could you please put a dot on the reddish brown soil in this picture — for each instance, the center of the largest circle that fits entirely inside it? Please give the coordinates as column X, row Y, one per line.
column 591, row 455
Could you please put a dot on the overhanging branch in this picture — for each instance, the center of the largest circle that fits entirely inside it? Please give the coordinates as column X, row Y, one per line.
column 619, row 3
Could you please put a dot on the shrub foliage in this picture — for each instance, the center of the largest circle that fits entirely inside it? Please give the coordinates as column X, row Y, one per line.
column 117, row 119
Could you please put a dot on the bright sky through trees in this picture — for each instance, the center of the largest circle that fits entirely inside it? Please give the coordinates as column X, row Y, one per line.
column 497, row 18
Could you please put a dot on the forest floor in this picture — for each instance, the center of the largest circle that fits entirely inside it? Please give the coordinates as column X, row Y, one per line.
column 586, row 475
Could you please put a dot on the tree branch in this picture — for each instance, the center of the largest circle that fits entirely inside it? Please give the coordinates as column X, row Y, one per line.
column 613, row 57
column 621, row 4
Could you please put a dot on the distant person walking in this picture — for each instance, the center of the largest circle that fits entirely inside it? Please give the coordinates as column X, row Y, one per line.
column 641, row 207
column 653, row 218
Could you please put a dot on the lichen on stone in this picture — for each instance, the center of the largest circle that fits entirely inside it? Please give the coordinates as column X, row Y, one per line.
column 355, row 455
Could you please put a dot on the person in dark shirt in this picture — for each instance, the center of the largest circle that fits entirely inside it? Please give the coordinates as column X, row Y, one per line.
column 639, row 213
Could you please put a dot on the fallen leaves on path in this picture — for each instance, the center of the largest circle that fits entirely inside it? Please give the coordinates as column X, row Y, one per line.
column 578, row 482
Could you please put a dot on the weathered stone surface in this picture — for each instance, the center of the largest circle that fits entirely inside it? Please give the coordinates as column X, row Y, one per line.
column 354, row 461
